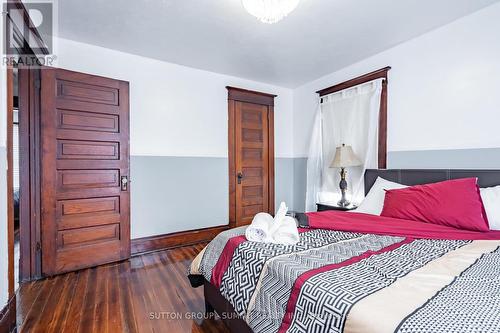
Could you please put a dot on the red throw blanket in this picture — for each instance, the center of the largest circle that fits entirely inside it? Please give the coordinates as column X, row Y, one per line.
column 380, row 225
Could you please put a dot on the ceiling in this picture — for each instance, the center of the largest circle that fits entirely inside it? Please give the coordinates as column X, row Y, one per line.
column 319, row 37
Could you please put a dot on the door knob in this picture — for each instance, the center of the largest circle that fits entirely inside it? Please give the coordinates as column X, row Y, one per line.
column 124, row 183
column 240, row 177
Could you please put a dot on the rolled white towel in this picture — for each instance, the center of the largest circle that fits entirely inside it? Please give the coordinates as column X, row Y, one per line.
column 281, row 213
column 287, row 232
column 259, row 230
column 278, row 218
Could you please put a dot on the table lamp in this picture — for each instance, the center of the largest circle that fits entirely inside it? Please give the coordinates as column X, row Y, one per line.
column 344, row 157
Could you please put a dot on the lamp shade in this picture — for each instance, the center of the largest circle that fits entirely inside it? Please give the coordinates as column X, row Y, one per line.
column 345, row 157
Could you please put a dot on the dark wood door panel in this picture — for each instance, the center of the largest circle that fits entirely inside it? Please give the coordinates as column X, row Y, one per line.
column 83, row 179
column 87, row 121
column 63, row 104
column 83, row 92
column 93, row 164
column 89, row 220
column 252, row 116
column 87, row 236
column 95, row 254
column 253, row 195
column 252, row 136
column 82, row 213
column 88, row 150
column 65, row 134
column 253, row 157
column 85, row 207
column 87, row 183
column 248, row 212
column 253, row 176
column 85, row 143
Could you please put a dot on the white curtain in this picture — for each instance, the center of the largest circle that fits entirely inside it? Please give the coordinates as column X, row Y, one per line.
column 346, row 117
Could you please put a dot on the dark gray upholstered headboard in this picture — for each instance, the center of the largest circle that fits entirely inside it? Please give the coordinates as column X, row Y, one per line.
column 486, row 178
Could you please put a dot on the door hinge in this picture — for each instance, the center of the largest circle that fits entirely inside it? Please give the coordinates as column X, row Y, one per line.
column 38, row 247
column 38, row 84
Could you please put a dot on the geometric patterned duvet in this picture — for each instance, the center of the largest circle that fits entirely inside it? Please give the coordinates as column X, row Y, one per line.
column 339, row 281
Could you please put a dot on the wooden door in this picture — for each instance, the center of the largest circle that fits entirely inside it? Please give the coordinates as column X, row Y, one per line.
column 84, row 170
column 251, row 165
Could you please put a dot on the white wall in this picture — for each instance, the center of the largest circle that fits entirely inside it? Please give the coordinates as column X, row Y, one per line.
column 175, row 110
column 3, row 181
column 444, row 88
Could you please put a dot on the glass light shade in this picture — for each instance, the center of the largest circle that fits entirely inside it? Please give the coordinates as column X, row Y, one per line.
column 270, row 11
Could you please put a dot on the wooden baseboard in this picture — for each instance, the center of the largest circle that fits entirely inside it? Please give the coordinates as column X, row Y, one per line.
column 177, row 239
column 8, row 316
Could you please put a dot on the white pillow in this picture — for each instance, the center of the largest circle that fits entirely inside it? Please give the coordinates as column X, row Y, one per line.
column 491, row 202
column 374, row 200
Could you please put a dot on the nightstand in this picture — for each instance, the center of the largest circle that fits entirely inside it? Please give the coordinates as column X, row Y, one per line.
column 330, row 206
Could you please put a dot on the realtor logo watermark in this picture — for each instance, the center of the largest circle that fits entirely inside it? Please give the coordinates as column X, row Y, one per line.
column 30, row 40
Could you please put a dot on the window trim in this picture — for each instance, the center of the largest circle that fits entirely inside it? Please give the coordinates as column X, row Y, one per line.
column 382, row 127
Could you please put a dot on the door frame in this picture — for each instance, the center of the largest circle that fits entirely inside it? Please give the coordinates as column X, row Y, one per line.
column 30, row 266
column 29, row 190
column 254, row 97
column 10, row 180
column 29, row 194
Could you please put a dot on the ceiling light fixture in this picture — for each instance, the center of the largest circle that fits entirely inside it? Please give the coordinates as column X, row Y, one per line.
column 270, row 11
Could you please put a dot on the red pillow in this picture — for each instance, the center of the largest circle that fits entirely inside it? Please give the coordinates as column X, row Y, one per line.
column 454, row 203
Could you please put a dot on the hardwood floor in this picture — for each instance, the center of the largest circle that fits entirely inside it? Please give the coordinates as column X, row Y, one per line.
column 146, row 294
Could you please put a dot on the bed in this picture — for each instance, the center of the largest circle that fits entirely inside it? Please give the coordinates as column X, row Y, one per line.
column 355, row 272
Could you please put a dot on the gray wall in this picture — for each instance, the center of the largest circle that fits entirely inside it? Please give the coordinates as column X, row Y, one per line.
column 170, row 194
column 283, row 182
column 299, row 183
column 485, row 158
